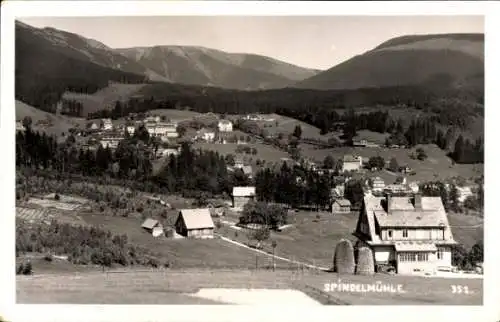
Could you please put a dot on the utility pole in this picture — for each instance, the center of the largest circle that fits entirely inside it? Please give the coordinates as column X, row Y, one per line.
column 274, row 247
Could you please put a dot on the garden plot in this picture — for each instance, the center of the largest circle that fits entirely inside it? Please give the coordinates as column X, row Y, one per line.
column 61, row 205
column 34, row 215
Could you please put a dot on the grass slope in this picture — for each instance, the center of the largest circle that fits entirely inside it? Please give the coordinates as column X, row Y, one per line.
column 104, row 98
column 61, row 123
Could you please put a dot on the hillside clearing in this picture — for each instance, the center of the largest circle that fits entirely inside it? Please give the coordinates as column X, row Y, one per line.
column 60, row 123
column 104, row 98
column 437, row 166
column 264, row 151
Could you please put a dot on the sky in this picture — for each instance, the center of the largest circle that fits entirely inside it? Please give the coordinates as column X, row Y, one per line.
column 310, row 41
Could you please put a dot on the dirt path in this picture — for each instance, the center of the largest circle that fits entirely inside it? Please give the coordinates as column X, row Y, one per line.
column 270, row 255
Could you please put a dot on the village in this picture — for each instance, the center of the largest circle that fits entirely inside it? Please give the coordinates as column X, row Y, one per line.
column 393, row 220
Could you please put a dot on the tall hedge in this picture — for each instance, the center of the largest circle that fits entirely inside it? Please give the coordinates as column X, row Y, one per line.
column 343, row 260
column 366, row 265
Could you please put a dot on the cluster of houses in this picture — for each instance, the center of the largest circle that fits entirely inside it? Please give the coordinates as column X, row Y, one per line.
column 218, row 134
column 258, row 117
column 109, row 135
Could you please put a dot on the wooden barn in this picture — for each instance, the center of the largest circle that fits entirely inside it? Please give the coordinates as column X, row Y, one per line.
column 341, row 206
column 195, row 223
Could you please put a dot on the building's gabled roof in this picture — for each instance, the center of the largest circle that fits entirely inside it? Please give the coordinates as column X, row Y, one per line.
column 402, row 214
column 197, row 218
column 225, row 122
column 243, row 191
column 350, row 158
column 149, row 223
column 247, row 169
column 343, row 202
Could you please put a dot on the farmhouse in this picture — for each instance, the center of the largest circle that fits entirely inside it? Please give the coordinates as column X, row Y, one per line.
column 110, row 142
column 153, row 226
column 130, row 129
column 378, row 184
column 341, row 206
column 409, row 233
column 365, row 143
column 195, row 223
column 152, row 119
column 238, row 163
column 206, row 135
column 338, row 191
column 247, row 170
column 106, row 124
column 225, row 126
column 351, row 163
column 241, row 196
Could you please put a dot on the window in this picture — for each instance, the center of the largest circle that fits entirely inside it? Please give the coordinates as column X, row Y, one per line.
column 405, row 233
column 422, row 257
column 440, row 253
column 389, row 233
column 407, row 257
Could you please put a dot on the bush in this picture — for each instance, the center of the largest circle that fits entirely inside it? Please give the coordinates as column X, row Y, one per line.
column 343, row 260
column 48, row 258
column 366, row 265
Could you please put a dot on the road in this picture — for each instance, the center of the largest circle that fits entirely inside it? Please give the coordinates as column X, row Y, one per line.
column 270, row 255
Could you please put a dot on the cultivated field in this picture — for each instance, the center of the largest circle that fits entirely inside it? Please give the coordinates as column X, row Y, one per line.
column 178, row 287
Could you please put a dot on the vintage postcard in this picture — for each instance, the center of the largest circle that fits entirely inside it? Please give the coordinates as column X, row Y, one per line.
column 302, row 160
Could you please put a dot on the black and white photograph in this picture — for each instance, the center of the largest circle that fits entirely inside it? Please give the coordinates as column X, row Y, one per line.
column 264, row 160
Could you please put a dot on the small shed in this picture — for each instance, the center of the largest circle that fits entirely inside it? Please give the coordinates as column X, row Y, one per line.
column 241, row 196
column 195, row 223
column 341, row 206
column 150, row 224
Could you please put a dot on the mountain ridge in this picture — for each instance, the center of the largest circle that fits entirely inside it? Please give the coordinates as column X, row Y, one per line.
column 409, row 60
column 191, row 65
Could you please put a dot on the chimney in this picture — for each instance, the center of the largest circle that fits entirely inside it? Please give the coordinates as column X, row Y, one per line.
column 418, row 201
column 389, row 201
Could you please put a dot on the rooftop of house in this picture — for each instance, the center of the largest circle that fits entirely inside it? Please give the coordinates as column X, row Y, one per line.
column 247, row 169
column 405, row 211
column 343, row 202
column 149, row 223
column 403, row 214
column 243, row 191
column 198, row 218
column 350, row 158
column 225, row 122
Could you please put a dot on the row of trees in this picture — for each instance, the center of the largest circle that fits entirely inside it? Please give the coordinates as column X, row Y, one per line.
column 294, row 186
column 190, row 170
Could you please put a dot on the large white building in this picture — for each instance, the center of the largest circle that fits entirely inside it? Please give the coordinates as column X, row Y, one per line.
column 225, row 126
column 410, row 233
column 352, row 163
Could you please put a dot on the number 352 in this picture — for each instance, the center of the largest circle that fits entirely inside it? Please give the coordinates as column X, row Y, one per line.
column 460, row 289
